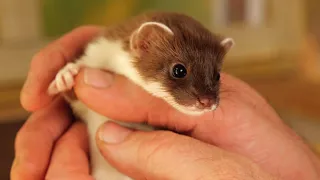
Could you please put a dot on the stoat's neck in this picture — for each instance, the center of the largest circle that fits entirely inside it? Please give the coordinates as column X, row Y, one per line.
column 110, row 55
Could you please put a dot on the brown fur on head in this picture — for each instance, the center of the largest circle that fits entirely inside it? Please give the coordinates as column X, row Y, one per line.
column 168, row 40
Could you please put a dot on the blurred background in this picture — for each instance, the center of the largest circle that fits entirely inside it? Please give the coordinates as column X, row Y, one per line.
column 277, row 50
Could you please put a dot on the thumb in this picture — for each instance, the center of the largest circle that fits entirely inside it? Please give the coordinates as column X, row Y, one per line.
column 130, row 102
column 95, row 87
column 166, row 155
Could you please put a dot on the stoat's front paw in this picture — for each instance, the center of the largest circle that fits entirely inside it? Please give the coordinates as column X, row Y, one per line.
column 64, row 80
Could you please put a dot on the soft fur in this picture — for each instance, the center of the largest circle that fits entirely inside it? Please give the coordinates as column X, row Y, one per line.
column 143, row 50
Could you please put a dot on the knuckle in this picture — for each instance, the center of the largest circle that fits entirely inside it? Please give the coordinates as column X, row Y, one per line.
column 36, row 58
column 25, row 134
column 27, row 131
column 19, row 136
column 50, row 54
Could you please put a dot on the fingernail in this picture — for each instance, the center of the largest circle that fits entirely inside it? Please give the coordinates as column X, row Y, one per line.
column 112, row 133
column 97, row 78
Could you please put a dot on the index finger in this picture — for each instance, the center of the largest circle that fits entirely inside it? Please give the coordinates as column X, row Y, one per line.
column 47, row 63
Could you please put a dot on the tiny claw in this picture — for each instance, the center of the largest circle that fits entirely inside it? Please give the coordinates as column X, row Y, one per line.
column 53, row 90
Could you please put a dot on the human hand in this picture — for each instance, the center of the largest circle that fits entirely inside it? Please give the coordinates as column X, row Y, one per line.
column 50, row 146
column 46, row 63
column 146, row 155
column 252, row 129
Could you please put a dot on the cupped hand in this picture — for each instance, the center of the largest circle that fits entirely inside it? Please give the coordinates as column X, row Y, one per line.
column 244, row 123
column 50, row 146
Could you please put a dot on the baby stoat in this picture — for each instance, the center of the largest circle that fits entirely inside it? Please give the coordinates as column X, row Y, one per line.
column 170, row 55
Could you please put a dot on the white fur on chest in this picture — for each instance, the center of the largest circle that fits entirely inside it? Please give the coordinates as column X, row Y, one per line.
column 107, row 55
column 110, row 55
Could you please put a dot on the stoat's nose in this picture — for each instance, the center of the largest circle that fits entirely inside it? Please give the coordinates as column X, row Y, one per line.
column 206, row 103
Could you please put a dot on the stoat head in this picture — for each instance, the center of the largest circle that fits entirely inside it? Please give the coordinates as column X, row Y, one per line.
column 180, row 63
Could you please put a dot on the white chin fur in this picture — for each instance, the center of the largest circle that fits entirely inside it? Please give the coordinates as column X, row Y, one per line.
column 193, row 110
column 158, row 90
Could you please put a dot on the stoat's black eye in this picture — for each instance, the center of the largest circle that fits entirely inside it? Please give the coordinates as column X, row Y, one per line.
column 179, row 71
column 218, row 77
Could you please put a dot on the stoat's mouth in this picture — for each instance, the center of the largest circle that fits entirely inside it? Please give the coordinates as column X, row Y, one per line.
column 194, row 109
column 201, row 109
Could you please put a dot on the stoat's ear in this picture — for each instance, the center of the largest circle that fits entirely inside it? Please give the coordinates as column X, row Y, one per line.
column 227, row 43
column 149, row 35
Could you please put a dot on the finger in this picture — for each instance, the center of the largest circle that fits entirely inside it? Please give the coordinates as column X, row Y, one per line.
column 166, row 155
column 70, row 159
column 129, row 101
column 35, row 140
column 46, row 64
